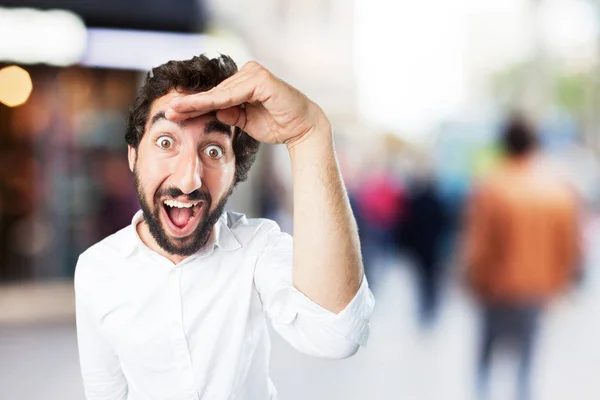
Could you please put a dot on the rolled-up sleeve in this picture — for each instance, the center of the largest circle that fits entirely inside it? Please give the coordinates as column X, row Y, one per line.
column 304, row 324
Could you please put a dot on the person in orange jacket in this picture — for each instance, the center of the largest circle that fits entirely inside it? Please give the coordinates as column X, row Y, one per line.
column 521, row 247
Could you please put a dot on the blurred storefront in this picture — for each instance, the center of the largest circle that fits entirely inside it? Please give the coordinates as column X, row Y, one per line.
column 64, row 181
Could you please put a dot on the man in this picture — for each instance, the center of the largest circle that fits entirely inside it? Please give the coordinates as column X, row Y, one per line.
column 521, row 248
column 173, row 306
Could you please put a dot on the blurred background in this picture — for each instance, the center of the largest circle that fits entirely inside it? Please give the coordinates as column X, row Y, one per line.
column 418, row 93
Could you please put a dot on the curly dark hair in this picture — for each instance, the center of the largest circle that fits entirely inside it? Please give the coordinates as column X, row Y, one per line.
column 198, row 74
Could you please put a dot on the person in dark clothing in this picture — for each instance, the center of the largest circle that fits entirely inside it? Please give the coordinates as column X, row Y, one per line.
column 421, row 235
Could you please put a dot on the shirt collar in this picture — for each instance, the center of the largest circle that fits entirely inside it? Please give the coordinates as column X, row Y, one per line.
column 222, row 237
column 225, row 238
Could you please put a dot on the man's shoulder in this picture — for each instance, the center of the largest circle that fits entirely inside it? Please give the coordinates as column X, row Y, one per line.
column 240, row 221
column 245, row 228
column 112, row 247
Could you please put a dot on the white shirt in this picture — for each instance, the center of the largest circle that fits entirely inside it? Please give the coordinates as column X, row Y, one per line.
column 149, row 329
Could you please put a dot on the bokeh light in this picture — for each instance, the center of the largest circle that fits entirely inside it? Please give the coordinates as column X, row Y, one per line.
column 31, row 36
column 15, row 86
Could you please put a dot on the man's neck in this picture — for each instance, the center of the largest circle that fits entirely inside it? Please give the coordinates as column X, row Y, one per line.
column 522, row 159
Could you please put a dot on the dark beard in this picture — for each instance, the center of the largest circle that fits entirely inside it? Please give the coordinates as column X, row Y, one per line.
column 202, row 232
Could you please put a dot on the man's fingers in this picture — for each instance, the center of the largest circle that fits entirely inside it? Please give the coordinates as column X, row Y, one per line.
column 177, row 116
column 240, row 88
column 234, row 116
column 227, row 94
column 194, row 105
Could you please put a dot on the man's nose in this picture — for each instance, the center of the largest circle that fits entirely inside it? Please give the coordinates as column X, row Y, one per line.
column 188, row 174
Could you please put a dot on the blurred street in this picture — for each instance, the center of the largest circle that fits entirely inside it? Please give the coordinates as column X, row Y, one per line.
column 400, row 362
column 467, row 134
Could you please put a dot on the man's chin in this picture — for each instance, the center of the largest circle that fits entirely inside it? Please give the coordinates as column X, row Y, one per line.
column 182, row 246
column 176, row 244
column 180, row 242
column 181, row 251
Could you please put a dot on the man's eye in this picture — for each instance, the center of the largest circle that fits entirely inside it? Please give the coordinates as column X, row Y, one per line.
column 165, row 142
column 214, row 152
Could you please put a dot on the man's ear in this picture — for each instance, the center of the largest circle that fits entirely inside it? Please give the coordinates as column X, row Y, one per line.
column 131, row 156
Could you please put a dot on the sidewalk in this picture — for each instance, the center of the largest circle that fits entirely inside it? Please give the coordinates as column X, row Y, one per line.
column 34, row 303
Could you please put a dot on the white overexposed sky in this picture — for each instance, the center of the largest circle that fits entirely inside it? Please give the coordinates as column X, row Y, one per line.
column 429, row 55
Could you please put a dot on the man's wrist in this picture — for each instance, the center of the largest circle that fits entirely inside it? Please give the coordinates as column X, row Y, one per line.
column 315, row 140
column 320, row 133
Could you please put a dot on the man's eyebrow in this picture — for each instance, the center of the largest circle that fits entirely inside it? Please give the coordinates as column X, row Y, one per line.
column 217, row 126
column 157, row 117
column 214, row 126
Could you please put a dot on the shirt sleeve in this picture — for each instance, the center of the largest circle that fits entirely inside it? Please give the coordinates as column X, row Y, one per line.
column 100, row 366
column 304, row 324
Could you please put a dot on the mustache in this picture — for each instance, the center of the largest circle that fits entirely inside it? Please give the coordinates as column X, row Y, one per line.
column 174, row 193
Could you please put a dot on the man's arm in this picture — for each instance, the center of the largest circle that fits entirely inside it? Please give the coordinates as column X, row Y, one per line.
column 304, row 324
column 327, row 265
column 569, row 242
column 100, row 366
column 477, row 238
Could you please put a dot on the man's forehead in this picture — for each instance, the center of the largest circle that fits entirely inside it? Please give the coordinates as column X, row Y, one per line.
column 161, row 105
column 164, row 100
column 158, row 117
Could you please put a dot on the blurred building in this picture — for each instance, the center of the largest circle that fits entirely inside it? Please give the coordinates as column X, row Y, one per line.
column 61, row 167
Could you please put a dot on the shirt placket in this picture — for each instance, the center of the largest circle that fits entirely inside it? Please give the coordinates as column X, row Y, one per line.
column 178, row 337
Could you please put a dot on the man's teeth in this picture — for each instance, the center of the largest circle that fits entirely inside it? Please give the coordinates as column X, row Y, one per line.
column 174, row 203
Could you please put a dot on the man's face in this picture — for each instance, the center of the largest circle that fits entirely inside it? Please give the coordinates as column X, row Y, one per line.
column 184, row 173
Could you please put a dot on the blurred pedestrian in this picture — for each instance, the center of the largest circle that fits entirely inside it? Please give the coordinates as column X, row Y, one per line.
column 521, row 248
column 379, row 206
column 421, row 235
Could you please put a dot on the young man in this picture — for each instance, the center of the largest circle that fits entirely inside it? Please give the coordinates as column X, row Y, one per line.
column 173, row 306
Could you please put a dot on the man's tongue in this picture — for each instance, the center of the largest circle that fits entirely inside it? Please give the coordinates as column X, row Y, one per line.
column 179, row 216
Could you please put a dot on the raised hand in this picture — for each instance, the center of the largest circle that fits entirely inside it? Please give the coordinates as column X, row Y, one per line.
column 267, row 108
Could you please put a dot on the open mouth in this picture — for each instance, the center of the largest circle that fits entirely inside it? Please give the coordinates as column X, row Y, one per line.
column 182, row 216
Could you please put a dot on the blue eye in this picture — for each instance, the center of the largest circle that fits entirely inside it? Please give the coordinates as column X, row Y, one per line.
column 165, row 142
column 214, row 152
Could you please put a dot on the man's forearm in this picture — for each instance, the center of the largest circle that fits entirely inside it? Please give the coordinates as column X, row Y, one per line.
column 327, row 261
